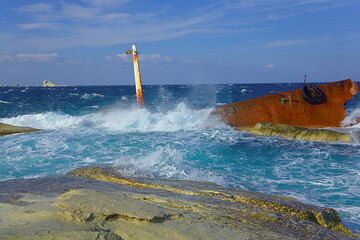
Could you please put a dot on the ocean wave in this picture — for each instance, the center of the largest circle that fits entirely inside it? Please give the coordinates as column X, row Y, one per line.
column 49, row 120
column 126, row 120
column 88, row 96
column 164, row 162
column 244, row 90
column 4, row 102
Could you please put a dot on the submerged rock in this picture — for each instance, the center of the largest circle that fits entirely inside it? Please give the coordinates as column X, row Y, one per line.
column 6, row 129
column 297, row 133
column 97, row 203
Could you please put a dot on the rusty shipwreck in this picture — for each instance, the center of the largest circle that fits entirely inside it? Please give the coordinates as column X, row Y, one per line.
column 313, row 106
column 293, row 114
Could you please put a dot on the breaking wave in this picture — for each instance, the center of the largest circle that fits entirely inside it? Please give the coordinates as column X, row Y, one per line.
column 126, row 120
column 87, row 96
column 4, row 102
column 164, row 162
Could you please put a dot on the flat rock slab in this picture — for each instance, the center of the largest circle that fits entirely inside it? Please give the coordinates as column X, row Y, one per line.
column 6, row 129
column 97, row 203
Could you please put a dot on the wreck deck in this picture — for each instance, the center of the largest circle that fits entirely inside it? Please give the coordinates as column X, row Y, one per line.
column 290, row 108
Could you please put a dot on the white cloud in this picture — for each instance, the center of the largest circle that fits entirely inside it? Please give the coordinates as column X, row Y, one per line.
column 269, row 66
column 105, row 2
column 36, row 8
column 154, row 58
column 75, row 11
column 41, row 58
column 94, row 23
column 114, row 16
column 28, row 57
column 287, row 43
column 36, row 57
column 302, row 41
column 122, row 56
column 74, row 63
column 39, row 25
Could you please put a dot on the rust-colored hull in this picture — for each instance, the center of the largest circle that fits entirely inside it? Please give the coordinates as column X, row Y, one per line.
column 290, row 108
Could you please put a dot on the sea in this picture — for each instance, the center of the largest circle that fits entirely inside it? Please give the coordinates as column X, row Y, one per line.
column 175, row 136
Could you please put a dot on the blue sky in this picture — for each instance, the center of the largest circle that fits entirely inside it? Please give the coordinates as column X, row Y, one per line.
column 81, row 42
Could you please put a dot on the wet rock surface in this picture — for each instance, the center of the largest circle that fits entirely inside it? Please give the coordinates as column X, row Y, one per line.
column 297, row 133
column 97, row 203
column 6, row 129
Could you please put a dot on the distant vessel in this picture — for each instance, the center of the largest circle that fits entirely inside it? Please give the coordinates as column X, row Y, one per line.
column 313, row 107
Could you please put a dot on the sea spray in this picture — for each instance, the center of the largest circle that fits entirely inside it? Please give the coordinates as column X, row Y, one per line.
column 125, row 120
column 351, row 117
column 174, row 137
column 164, row 162
column 49, row 120
column 87, row 96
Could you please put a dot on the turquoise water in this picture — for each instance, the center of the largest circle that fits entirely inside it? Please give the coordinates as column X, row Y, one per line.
column 174, row 137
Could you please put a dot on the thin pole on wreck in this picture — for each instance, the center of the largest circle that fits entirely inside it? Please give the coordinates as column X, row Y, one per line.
column 137, row 75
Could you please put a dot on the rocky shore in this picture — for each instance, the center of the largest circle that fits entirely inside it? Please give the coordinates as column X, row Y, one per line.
column 6, row 129
column 97, row 203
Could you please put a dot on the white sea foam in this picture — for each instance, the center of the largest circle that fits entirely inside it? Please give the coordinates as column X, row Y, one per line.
column 126, row 120
column 4, row 102
column 244, row 90
column 87, row 96
column 48, row 120
column 180, row 118
column 163, row 162
column 350, row 119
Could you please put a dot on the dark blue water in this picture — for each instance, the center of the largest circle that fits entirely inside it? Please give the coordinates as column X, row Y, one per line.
column 174, row 137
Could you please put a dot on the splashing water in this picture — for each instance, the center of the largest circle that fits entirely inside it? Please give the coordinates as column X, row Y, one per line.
column 92, row 95
column 351, row 118
column 125, row 120
column 175, row 136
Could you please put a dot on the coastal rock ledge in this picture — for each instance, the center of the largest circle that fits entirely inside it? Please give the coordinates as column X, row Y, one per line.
column 6, row 129
column 97, row 203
